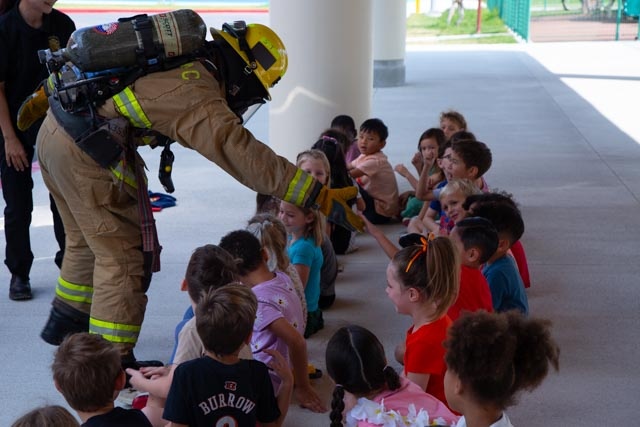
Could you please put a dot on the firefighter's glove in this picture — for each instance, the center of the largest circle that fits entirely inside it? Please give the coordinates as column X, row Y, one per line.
column 333, row 203
column 33, row 109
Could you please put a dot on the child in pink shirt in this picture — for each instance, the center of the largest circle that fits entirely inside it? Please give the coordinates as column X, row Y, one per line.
column 369, row 392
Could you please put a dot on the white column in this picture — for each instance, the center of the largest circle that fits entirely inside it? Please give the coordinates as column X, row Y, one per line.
column 329, row 45
column 389, row 37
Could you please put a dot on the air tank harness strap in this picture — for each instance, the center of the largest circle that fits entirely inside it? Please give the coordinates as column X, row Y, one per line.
column 150, row 241
column 127, row 105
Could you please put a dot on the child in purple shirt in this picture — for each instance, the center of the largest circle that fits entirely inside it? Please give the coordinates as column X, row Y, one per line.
column 279, row 320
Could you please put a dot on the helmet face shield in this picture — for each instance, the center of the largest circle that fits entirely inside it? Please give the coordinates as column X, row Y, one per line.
column 249, row 112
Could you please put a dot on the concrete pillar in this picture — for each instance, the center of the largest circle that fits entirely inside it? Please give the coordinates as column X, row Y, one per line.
column 389, row 36
column 329, row 45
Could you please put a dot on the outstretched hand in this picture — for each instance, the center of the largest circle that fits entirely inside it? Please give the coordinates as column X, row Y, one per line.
column 333, row 203
column 33, row 109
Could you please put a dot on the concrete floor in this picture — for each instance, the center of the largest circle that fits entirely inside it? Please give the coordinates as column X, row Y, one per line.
column 562, row 122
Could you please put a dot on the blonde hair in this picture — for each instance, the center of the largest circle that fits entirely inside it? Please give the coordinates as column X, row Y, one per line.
column 273, row 236
column 464, row 186
column 455, row 117
column 433, row 269
column 314, row 154
column 314, row 228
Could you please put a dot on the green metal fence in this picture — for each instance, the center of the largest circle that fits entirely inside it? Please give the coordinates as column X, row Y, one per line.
column 570, row 20
column 515, row 14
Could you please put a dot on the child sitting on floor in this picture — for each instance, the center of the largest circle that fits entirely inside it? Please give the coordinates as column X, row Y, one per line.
column 87, row 371
column 304, row 228
column 490, row 358
column 330, row 143
column 346, row 125
column 507, row 288
column 315, row 163
column 451, row 122
column 430, row 148
column 422, row 282
column 476, row 240
column 465, row 159
column 279, row 322
column 47, row 416
column 369, row 392
column 220, row 388
column 210, row 267
column 374, row 174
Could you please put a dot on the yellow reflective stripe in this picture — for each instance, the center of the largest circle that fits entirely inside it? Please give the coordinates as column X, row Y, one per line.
column 124, row 174
column 298, row 188
column 72, row 292
column 148, row 140
column 51, row 83
column 128, row 106
column 114, row 332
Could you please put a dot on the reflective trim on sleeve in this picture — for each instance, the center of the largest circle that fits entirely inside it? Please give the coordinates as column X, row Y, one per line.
column 298, row 188
column 72, row 292
column 127, row 105
column 114, row 332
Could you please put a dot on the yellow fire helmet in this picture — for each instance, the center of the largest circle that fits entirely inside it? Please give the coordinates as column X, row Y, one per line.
column 260, row 48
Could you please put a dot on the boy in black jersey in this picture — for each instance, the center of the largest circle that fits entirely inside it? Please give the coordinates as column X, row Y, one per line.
column 220, row 388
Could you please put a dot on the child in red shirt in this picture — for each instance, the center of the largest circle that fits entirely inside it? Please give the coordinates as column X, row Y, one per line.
column 422, row 282
column 476, row 240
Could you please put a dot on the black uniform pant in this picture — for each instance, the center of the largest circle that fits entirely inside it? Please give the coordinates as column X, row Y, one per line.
column 370, row 209
column 17, row 189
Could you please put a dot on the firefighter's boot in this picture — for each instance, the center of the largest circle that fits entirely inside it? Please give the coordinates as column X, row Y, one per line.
column 63, row 320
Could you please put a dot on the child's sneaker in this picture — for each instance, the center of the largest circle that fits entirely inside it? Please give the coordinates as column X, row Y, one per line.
column 126, row 397
column 313, row 372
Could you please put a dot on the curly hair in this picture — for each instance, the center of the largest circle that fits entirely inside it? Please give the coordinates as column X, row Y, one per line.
column 496, row 355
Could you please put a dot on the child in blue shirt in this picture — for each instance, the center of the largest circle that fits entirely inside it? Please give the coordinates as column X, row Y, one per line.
column 304, row 228
column 507, row 288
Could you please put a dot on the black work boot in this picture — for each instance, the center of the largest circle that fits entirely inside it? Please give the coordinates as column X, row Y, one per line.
column 63, row 320
column 19, row 288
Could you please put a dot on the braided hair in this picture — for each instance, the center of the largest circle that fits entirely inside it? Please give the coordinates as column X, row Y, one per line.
column 356, row 361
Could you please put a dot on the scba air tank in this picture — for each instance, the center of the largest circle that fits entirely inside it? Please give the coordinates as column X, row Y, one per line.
column 118, row 44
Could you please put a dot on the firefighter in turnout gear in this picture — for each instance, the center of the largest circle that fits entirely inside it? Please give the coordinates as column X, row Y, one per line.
column 90, row 165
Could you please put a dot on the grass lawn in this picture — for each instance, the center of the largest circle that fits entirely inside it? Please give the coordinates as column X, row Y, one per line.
column 423, row 25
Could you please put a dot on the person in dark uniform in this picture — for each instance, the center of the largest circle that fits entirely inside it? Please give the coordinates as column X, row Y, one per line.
column 26, row 26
